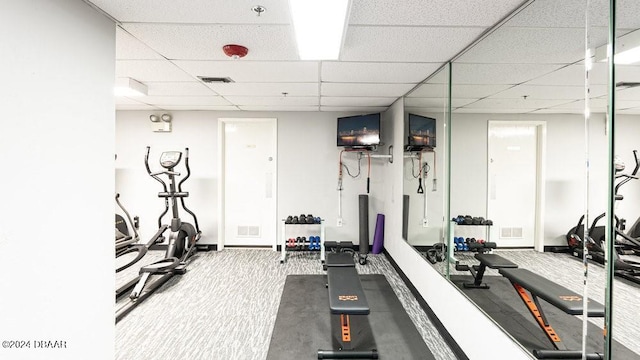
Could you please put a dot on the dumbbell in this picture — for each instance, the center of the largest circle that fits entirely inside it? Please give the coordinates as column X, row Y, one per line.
column 310, row 219
column 289, row 219
column 294, row 220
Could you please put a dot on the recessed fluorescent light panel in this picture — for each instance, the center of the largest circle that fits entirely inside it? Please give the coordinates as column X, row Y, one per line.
column 628, row 49
column 319, row 27
column 129, row 87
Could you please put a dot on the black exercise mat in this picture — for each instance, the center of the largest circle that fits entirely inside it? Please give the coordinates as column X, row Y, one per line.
column 505, row 307
column 303, row 323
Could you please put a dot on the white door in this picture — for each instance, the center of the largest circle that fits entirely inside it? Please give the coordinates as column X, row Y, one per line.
column 248, row 163
column 513, row 177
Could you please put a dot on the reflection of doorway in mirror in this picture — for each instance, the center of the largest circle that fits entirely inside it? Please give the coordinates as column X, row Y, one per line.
column 514, row 169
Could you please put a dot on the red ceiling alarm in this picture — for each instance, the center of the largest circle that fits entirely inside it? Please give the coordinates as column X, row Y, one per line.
column 235, row 51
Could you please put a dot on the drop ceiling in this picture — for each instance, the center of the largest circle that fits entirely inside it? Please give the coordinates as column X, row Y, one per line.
column 389, row 47
column 531, row 63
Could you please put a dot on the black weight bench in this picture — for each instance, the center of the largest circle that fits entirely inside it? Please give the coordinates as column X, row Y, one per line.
column 346, row 297
column 564, row 299
column 491, row 261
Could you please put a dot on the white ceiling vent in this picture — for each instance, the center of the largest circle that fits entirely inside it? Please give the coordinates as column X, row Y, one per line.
column 208, row 79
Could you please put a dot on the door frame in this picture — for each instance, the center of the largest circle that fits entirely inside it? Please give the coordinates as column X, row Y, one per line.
column 541, row 142
column 222, row 123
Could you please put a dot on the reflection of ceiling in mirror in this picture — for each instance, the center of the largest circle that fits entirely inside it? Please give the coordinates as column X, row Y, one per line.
column 533, row 62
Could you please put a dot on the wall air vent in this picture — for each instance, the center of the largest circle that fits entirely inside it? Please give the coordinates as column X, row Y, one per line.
column 208, row 79
column 627, row 85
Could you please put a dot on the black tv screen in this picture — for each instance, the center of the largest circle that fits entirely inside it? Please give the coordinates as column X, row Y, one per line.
column 422, row 132
column 359, row 131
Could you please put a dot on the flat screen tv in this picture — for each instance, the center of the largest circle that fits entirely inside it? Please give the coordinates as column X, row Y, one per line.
column 360, row 131
column 422, row 133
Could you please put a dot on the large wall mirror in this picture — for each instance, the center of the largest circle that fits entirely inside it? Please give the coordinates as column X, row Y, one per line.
column 530, row 138
column 425, row 114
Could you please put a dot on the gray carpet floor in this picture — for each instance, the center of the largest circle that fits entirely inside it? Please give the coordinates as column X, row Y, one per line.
column 567, row 271
column 225, row 307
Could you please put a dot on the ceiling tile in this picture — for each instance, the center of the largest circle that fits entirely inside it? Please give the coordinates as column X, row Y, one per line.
column 557, row 111
column 465, row 110
column 205, row 42
column 425, row 110
column 549, row 92
column 628, row 73
column 498, row 73
column 128, row 47
column 193, row 88
column 482, row 13
column 254, row 71
column 357, row 101
column 516, row 103
column 532, row 46
column 371, row 72
column 265, row 89
column 356, row 89
column 273, row 100
column 358, row 109
column 628, row 94
column 632, row 111
column 571, row 13
column 151, row 70
column 476, row 91
column 185, row 100
column 195, row 11
column 573, row 75
column 429, row 90
column 277, row 108
column 626, row 104
column 457, row 90
column 596, row 105
column 436, row 102
column 405, row 44
column 199, row 107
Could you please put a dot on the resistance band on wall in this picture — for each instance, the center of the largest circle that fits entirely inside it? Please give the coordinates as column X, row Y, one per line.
column 423, row 172
column 341, row 165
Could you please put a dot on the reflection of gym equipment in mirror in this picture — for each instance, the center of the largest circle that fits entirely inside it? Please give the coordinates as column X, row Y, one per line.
column 416, row 187
column 627, row 247
column 504, row 77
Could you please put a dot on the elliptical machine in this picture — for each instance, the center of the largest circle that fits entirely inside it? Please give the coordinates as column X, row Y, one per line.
column 623, row 243
column 182, row 239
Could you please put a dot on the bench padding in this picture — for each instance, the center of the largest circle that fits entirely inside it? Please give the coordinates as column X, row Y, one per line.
column 495, row 261
column 346, row 295
column 341, row 259
column 555, row 294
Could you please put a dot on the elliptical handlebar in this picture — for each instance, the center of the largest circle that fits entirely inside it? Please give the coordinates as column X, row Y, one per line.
column 153, row 175
column 186, row 164
column 635, row 157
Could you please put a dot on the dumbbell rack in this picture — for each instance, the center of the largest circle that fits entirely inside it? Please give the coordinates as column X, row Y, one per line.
column 456, row 226
column 301, row 230
column 451, row 245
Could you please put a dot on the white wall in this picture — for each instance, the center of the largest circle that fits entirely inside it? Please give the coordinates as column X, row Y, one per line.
column 307, row 169
column 56, row 223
